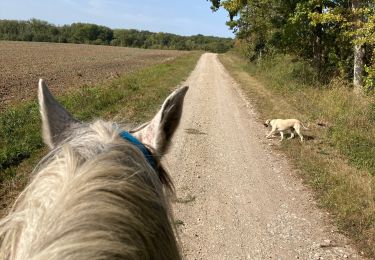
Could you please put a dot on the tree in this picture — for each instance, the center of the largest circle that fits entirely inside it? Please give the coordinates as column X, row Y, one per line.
column 336, row 36
column 359, row 53
column 356, row 19
column 37, row 30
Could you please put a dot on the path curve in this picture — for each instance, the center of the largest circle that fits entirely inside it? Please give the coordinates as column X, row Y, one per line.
column 238, row 199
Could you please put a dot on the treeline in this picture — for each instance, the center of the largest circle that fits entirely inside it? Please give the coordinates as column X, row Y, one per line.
column 42, row 31
column 336, row 36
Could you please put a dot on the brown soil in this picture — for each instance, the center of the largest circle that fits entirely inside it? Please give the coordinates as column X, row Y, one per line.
column 65, row 66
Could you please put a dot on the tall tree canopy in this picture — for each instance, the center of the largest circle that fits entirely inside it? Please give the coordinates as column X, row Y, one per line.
column 337, row 36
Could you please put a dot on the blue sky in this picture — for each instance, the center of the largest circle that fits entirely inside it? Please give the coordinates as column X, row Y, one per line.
column 186, row 17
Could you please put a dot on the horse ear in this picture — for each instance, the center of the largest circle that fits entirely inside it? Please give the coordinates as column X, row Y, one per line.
column 55, row 119
column 158, row 132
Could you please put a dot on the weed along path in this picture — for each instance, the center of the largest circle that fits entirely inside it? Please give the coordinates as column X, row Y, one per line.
column 236, row 198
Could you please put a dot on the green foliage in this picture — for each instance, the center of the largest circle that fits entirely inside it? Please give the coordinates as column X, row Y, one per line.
column 322, row 32
column 150, row 40
column 89, row 33
column 37, row 30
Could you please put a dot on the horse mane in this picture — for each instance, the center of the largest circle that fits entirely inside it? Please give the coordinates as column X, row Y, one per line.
column 94, row 197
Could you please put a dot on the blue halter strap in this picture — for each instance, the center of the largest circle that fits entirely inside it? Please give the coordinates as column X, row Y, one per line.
column 127, row 136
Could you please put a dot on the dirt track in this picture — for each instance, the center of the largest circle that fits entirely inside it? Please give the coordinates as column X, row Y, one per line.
column 238, row 199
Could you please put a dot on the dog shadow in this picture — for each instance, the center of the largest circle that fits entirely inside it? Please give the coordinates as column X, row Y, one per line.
column 305, row 137
column 308, row 137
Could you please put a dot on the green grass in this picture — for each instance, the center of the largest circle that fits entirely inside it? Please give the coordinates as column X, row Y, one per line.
column 351, row 119
column 338, row 160
column 18, row 136
column 134, row 97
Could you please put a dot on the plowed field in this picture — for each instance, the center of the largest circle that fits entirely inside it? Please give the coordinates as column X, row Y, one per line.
column 66, row 66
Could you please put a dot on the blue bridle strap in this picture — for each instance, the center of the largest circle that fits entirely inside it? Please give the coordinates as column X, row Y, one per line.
column 127, row 136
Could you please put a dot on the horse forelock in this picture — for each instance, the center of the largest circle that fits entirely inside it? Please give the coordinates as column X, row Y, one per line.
column 94, row 196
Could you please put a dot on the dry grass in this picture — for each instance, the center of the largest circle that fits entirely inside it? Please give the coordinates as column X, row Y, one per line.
column 338, row 159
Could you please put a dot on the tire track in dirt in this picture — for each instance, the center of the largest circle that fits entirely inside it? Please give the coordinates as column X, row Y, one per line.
column 238, row 199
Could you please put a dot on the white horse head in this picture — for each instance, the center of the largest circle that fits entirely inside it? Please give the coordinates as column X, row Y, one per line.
column 96, row 194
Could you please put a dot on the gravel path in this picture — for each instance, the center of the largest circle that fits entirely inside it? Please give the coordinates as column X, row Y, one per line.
column 238, row 199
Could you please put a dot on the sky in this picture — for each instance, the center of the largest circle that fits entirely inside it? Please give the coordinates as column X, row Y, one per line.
column 183, row 17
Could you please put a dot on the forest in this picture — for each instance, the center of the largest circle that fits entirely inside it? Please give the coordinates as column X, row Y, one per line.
column 336, row 37
column 42, row 31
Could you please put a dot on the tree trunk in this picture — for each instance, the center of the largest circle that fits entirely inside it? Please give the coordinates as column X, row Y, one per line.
column 317, row 46
column 359, row 53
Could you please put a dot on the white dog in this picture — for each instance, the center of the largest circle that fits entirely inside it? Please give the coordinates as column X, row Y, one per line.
column 282, row 125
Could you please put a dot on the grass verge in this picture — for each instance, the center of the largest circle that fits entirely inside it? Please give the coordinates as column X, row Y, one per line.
column 338, row 159
column 135, row 96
